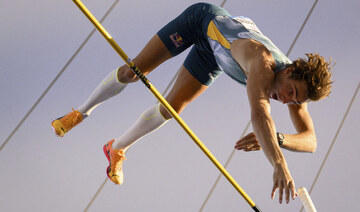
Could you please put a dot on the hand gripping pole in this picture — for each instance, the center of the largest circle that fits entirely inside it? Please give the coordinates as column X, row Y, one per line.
column 164, row 103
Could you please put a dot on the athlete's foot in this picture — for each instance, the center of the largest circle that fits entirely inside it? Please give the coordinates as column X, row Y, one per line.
column 116, row 159
column 65, row 123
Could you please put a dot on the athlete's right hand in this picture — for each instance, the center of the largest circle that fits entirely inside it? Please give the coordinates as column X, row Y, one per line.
column 284, row 182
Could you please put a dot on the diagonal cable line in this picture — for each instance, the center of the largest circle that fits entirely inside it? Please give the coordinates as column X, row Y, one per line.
column 225, row 166
column 247, row 126
column 55, row 79
column 301, row 28
column 334, row 140
column 223, row 3
column 96, row 194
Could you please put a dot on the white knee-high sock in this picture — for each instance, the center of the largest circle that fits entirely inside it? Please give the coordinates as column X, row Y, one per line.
column 148, row 122
column 110, row 86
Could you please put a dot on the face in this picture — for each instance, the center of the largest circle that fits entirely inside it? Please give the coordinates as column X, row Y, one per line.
column 287, row 90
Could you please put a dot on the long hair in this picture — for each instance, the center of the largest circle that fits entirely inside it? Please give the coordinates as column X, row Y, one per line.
column 316, row 72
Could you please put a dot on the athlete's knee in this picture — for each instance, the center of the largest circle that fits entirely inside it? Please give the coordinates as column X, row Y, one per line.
column 126, row 75
column 166, row 114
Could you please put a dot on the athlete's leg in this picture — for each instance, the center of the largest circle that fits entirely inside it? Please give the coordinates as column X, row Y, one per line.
column 185, row 89
column 198, row 72
column 152, row 55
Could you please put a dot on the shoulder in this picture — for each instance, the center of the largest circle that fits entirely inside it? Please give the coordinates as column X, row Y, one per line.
column 252, row 56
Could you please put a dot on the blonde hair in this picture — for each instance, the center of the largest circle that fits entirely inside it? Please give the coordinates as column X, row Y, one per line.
column 316, row 72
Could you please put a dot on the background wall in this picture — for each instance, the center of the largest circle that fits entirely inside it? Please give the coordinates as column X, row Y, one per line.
column 165, row 171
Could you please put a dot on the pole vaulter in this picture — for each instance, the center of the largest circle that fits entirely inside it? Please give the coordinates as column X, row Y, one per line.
column 164, row 103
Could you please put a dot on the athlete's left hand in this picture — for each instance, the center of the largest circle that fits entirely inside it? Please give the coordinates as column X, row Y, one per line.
column 248, row 143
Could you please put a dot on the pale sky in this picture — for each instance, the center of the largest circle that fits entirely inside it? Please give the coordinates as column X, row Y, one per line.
column 165, row 171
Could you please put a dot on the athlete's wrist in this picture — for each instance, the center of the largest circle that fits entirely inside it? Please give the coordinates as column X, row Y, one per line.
column 280, row 138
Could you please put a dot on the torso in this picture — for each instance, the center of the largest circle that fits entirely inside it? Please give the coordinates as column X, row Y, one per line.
column 225, row 34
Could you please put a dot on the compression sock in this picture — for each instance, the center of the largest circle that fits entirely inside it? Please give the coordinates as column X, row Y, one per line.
column 148, row 122
column 109, row 87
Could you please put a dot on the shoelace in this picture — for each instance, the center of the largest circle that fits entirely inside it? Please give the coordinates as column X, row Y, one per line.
column 119, row 157
column 70, row 120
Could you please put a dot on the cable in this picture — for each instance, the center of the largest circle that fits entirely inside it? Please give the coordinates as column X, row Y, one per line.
column 225, row 166
column 301, row 28
column 223, row 3
column 247, row 126
column 55, row 79
column 96, row 194
column 334, row 140
column 170, row 84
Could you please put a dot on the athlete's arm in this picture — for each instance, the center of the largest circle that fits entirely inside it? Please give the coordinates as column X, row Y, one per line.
column 303, row 141
column 256, row 61
column 265, row 131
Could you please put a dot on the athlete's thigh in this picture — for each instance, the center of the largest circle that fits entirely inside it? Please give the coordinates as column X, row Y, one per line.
column 152, row 55
column 169, row 41
column 185, row 89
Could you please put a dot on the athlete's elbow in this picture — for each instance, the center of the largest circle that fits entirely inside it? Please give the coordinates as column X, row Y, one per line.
column 312, row 149
column 313, row 145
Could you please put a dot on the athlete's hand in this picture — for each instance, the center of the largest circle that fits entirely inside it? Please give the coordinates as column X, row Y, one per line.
column 248, row 143
column 284, row 182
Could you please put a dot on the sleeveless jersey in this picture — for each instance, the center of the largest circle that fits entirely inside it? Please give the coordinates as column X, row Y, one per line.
column 223, row 30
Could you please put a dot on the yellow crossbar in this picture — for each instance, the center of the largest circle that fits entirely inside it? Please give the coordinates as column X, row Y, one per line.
column 165, row 104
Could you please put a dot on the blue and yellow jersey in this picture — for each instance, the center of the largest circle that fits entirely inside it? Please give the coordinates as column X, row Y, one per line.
column 223, row 30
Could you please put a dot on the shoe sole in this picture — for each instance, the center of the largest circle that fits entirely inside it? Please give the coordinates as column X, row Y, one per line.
column 108, row 157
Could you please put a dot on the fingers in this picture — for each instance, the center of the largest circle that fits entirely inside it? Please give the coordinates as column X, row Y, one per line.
column 283, row 180
column 246, row 138
column 293, row 190
column 290, row 189
column 287, row 188
column 247, row 146
column 274, row 190
column 281, row 187
column 284, row 189
column 287, row 195
column 252, row 148
column 248, row 143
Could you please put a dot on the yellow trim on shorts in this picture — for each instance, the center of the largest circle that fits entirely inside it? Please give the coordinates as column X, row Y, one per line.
column 214, row 33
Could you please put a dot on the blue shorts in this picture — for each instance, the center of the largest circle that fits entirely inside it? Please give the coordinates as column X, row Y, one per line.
column 189, row 28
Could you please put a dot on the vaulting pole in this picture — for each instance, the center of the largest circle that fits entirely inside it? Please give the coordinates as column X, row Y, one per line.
column 164, row 103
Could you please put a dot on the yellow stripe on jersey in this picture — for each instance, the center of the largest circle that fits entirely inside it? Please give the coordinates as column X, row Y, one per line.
column 214, row 33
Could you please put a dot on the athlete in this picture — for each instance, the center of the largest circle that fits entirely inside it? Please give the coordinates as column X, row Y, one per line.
column 221, row 43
